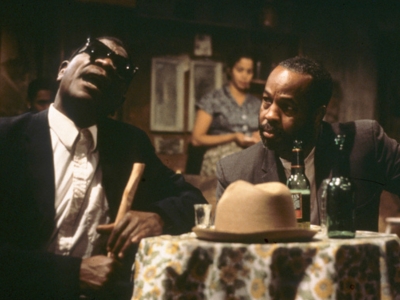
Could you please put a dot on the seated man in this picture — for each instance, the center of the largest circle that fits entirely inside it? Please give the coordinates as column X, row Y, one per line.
column 63, row 172
column 294, row 103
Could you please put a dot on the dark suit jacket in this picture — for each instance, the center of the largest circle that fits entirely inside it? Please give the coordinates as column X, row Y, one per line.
column 27, row 200
column 374, row 165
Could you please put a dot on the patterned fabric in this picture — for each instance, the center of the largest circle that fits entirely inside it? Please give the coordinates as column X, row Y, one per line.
column 227, row 117
column 393, row 264
column 183, row 267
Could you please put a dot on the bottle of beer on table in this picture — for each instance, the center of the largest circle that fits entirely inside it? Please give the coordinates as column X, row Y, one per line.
column 299, row 186
column 340, row 196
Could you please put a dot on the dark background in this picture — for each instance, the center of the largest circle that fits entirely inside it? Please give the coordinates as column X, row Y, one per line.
column 357, row 41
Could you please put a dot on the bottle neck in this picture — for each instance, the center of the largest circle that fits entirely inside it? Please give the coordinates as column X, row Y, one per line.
column 340, row 168
column 297, row 163
column 297, row 170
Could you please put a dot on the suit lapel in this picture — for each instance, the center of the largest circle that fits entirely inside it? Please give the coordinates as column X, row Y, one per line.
column 40, row 166
column 272, row 167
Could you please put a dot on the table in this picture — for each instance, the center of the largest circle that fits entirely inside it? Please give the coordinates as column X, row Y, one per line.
column 184, row 267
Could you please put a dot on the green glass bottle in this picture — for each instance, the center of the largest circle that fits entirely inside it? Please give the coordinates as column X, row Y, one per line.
column 299, row 186
column 340, row 196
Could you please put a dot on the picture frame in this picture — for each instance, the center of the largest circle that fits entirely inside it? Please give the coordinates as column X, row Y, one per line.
column 168, row 145
column 167, row 93
column 205, row 76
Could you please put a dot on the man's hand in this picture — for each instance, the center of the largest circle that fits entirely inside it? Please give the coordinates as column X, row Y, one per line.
column 97, row 273
column 134, row 226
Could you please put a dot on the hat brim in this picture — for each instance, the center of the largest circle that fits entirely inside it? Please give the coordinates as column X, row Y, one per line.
column 270, row 236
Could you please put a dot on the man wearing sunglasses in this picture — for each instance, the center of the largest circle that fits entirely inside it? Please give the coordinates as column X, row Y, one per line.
column 62, row 176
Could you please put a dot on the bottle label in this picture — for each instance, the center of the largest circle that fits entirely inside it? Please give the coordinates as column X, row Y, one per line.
column 298, row 204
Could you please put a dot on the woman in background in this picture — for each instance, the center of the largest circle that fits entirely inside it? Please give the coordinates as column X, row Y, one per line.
column 227, row 118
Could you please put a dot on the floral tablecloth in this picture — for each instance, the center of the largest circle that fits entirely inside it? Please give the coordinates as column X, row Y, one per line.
column 184, row 267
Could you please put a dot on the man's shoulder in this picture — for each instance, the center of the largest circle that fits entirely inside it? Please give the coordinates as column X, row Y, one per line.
column 15, row 123
column 246, row 165
column 357, row 127
column 15, row 119
column 362, row 134
column 120, row 128
column 122, row 140
column 250, row 151
column 244, row 157
column 359, row 124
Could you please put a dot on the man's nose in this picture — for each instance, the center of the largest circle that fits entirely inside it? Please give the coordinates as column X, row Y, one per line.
column 272, row 113
column 105, row 61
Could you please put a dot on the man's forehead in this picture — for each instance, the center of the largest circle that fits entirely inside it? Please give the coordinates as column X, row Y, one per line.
column 288, row 80
column 114, row 47
column 290, row 75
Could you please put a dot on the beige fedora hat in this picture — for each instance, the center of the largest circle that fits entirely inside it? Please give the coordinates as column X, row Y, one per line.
column 255, row 214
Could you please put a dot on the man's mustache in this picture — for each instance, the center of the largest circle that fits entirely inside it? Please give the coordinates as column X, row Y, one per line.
column 267, row 127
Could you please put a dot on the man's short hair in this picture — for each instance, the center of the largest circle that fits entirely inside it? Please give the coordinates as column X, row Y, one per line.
column 40, row 84
column 320, row 91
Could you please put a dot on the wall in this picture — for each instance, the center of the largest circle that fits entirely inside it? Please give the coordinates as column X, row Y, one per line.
column 344, row 37
column 172, row 37
column 26, row 38
column 358, row 41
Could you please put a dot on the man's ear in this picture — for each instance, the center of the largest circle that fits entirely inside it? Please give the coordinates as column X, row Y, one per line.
column 61, row 70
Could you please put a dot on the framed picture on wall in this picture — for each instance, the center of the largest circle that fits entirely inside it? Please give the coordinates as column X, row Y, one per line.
column 167, row 93
column 168, row 145
column 205, row 76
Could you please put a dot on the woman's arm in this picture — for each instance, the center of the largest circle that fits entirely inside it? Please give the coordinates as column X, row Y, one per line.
column 256, row 136
column 201, row 138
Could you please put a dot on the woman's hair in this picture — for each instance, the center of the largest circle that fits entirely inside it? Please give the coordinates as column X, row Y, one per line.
column 234, row 56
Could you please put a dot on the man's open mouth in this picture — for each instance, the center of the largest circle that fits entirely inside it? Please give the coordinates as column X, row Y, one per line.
column 99, row 81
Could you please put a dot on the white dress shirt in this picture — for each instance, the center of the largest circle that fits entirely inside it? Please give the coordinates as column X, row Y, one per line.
column 80, row 201
column 310, row 173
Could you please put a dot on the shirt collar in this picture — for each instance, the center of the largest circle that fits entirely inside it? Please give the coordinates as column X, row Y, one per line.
column 66, row 130
column 227, row 92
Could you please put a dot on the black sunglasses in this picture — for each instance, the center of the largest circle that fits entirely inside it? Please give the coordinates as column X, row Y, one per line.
column 97, row 49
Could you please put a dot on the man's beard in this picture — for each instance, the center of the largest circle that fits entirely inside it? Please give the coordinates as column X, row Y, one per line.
column 282, row 142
